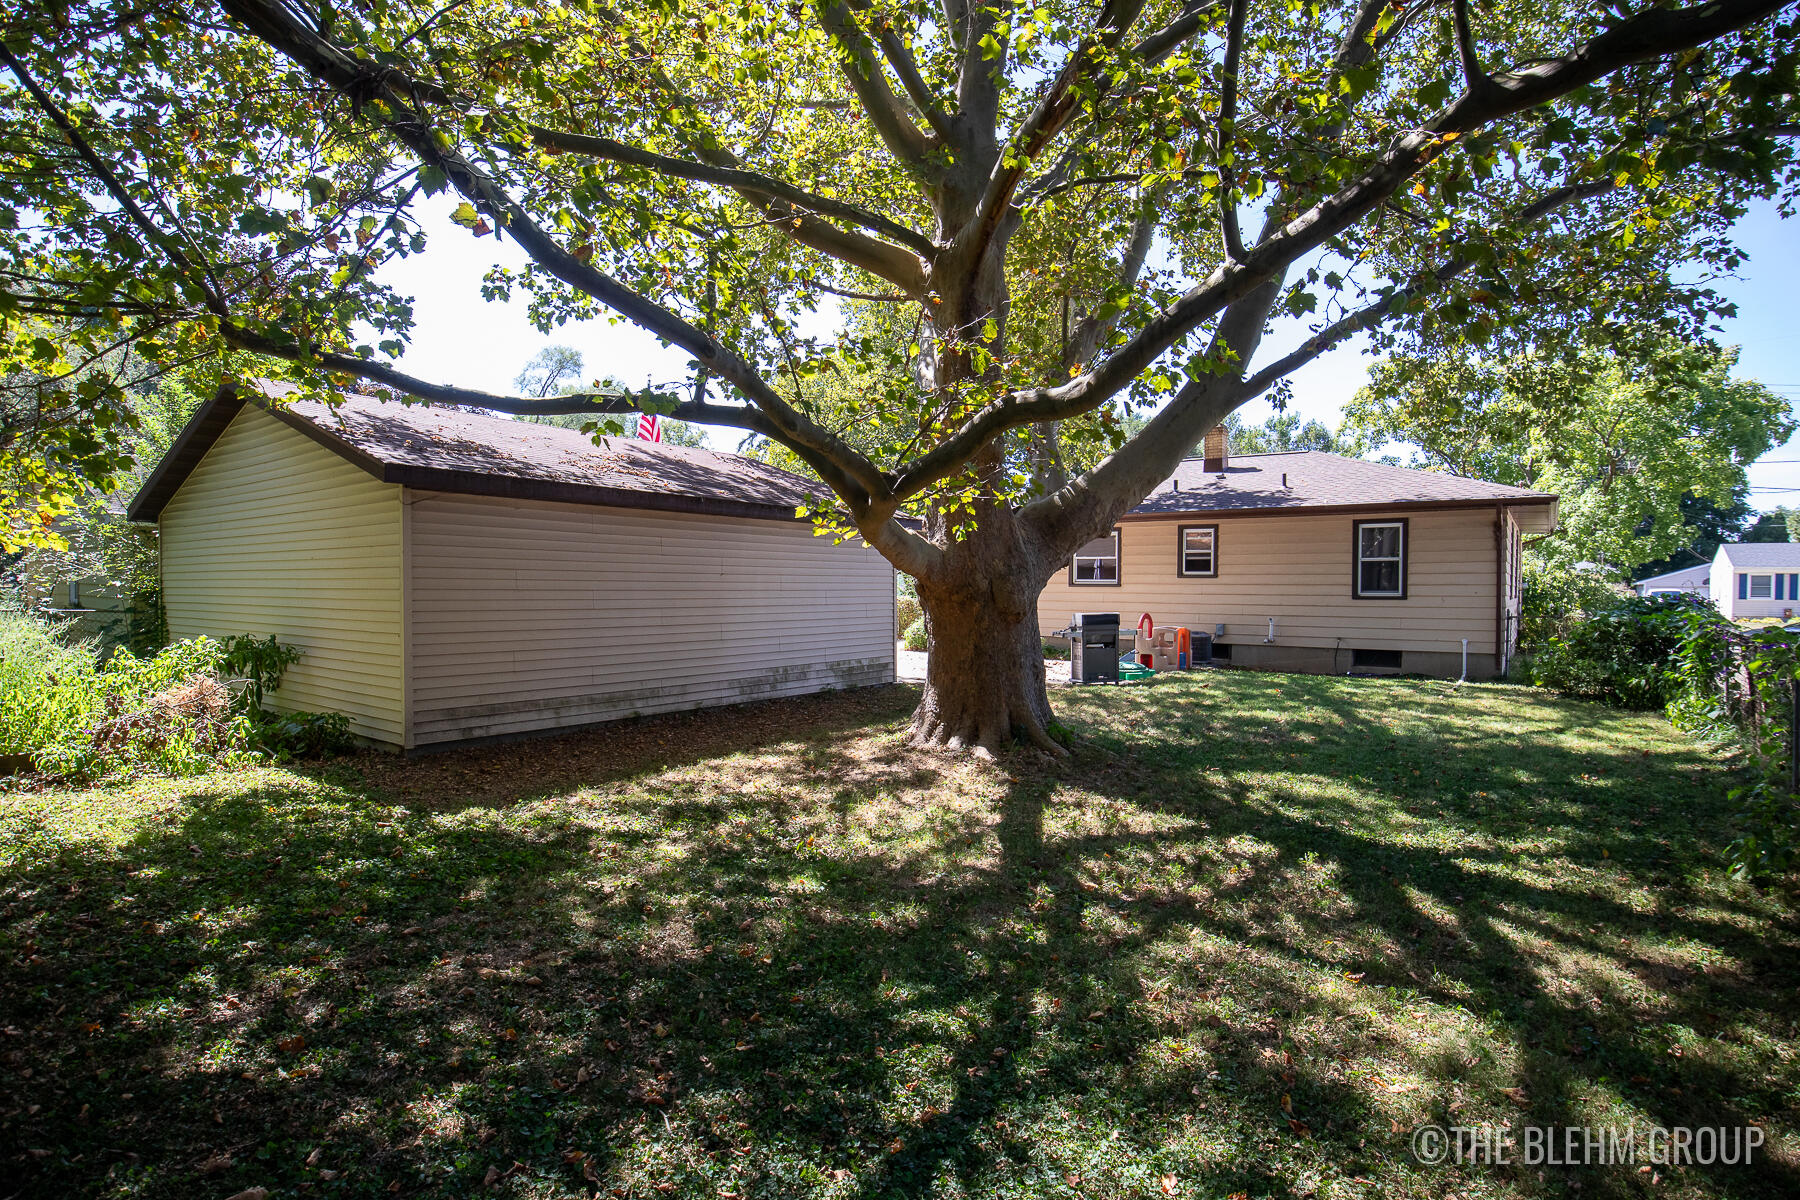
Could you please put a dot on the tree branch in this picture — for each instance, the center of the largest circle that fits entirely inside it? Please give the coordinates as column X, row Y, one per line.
column 1159, row 45
column 273, row 23
column 1474, row 78
column 781, row 202
column 906, row 69
column 864, row 74
column 1135, row 468
column 1648, row 35
column 1045, row 121
column 1222, row 146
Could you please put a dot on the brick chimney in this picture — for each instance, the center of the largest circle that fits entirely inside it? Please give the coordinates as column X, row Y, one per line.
column 1217, row 452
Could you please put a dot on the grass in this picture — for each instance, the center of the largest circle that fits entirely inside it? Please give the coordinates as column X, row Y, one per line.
column 1261, row 928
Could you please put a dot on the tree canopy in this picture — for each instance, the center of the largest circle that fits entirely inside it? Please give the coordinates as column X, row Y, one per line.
column 1289, row 431
column 1628, row 441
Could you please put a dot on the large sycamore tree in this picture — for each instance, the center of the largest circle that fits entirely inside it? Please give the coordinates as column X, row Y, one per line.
column 1037, row 222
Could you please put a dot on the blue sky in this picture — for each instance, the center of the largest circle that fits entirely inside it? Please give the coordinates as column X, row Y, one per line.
column 461, row 338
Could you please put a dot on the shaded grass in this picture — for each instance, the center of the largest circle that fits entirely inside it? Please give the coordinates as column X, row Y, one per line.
column 1259, row 929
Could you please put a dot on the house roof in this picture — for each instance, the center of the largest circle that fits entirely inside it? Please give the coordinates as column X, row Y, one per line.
column 1762, row 554
column 1694, row 574
column 449, row 450
column 1315, row 480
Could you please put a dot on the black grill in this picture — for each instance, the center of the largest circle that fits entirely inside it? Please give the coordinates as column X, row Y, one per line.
column 1093, row 648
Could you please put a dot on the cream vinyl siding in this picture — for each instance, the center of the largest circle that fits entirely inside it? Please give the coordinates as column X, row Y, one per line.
column 530, row 615
column 1297, row 569
column 274, row 534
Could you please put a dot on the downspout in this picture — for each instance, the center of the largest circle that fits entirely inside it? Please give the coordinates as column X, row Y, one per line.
column 1464, row 677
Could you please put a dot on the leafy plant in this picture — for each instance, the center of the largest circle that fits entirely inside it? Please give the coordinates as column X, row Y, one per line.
column 77, row 717
column 914, row 637
column 301, row 734
column 1619, row 655
column 259, row 664
column 907, row 612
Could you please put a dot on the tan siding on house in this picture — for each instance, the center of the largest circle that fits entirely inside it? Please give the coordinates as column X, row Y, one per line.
column 1297, row 569
column 529, row 615
column 274, row 534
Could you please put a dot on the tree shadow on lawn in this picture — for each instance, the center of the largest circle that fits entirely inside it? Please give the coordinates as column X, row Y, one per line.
column 828, row 965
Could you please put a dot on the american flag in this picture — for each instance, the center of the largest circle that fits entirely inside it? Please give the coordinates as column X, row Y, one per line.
column 650, row 427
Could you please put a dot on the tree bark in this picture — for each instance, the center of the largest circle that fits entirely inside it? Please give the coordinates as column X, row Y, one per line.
column 984, row 674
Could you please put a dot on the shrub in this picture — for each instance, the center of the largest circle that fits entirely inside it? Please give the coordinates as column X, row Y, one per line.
column 1619, row 655
column 79, row 718
column 1556, row 598
column 906, row 612
column 1719, row 681
column 260, row 665
column 176, row 712
column 301, row 734
column 914, row 637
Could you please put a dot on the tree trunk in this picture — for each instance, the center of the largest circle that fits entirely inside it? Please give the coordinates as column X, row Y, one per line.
column 984, row 674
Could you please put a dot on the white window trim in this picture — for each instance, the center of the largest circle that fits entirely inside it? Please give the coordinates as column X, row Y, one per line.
column 1768, row 582
column 1181, row 552
column 1400, row 558
column 1074, row 581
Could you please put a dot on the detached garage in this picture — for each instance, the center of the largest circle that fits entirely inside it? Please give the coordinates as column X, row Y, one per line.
column 452, row 576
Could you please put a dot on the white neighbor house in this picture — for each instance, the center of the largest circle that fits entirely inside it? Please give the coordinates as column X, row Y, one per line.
column 1688, row 581
column 1756, row 579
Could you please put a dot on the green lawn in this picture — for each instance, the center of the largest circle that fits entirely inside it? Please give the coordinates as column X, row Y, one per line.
column 1257, row 931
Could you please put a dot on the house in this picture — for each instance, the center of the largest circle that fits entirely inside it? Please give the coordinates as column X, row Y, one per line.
column 452, row 576
column 70, row 587
column 1756, row 579
column 1308, row 561
column 1683, row 581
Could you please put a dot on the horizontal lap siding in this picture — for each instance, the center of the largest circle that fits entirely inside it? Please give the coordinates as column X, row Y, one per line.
column 274, row 534
column 1298, row 570
column 528, row 616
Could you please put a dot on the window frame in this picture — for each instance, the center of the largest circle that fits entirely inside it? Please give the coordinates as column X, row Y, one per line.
column 1750, row 586
column 1118, row 556
column 1181, row 532
column 1356, row 557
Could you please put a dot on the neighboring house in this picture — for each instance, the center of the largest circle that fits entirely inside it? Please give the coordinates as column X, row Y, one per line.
column 1756, row 579
column 452, row 576
column 1684, row 581
column 63, row 586
column 1308, row 561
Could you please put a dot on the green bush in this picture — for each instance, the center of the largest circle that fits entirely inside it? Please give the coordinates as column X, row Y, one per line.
column 906, row 612
column 301, row 734
column 1556, row 598
column 1619, row 655
column 176, row 712
column 76, row 717
column 914, row 637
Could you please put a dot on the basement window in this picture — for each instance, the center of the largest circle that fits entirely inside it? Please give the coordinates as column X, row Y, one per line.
column 1097, row 563
column 1382, row 659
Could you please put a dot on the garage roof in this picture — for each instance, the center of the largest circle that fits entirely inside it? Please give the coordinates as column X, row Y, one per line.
column 450, row 450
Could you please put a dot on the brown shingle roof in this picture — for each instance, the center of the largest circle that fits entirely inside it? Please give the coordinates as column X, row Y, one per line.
column 448, row 450
column 1313, row 479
